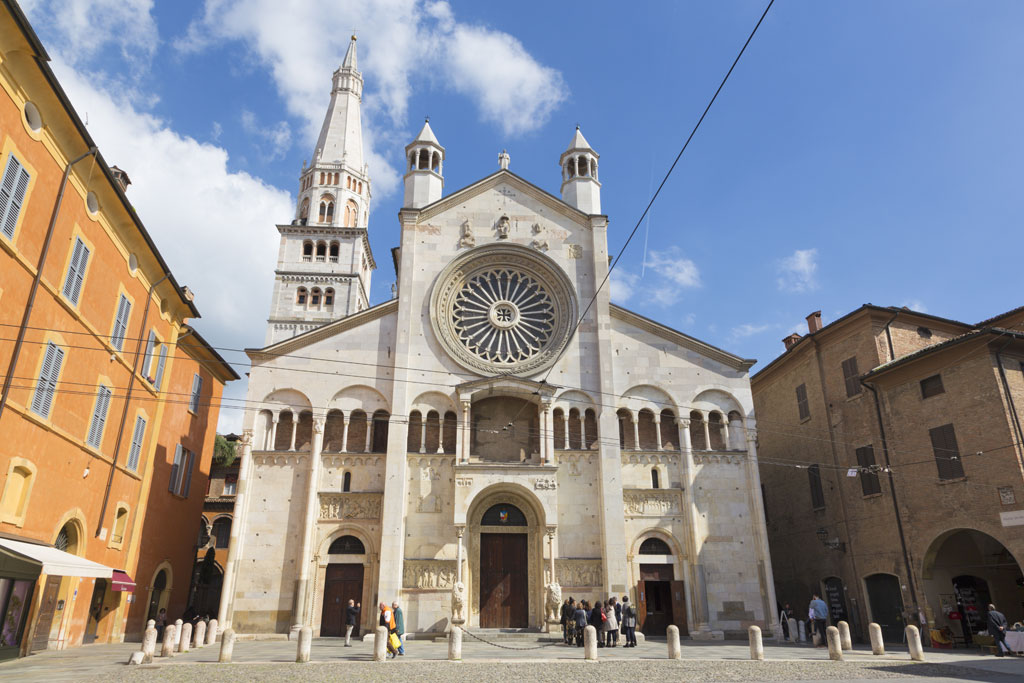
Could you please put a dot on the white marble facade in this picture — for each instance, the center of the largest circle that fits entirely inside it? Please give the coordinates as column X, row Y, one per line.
column 381, row 438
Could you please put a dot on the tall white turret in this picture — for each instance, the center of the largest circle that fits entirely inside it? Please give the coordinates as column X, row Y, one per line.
column 580, row 187
column 424, row 179
column 324, row 263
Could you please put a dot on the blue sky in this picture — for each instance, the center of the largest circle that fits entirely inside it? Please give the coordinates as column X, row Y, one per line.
column 861, row 151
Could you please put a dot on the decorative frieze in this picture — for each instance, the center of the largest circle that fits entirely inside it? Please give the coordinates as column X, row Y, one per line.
column 337, row 506
column 710, row 458
column 653, row 458
column 347, row 461
column 577, row 573
column 428, row 574
column 278, row 459
column 651, row 502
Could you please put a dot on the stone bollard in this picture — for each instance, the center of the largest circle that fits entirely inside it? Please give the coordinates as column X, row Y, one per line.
column 756, row 647
column 305, row 645
column 136, row 659
column 455, row 644
column 672, row 636
column 803, row 631
column 151, row 623
column 590, row 643
column 835, row 650
column 185, row 639
column 380, row 644
column 211, row 632
column 227, row 646
column 177, row 634
column 167, row 649
column 200, row 634
column 877, row 645
column 914, row 644
column 845, row 641
column 793, row 636
column 149, row 645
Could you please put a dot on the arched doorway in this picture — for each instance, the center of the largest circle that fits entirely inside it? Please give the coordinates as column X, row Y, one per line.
column 57, row 592
column 661, row 596
column 158, row 593
column 96, row 612
column 885, row 597
column 963, row 571
column 343, row 581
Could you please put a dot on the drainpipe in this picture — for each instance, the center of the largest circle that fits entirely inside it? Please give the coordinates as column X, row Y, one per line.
column 127, row 402
column 895, row 503
column 888, row 336
column 1014, row 415
column 35, row 282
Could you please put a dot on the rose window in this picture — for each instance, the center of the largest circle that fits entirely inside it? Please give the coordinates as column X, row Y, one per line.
column 503, row 309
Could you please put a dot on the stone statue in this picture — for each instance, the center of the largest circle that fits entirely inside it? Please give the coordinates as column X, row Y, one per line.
column 540, row 241
column 503, row 226
column 554, row 602
column 459, row 603
column 467, row 239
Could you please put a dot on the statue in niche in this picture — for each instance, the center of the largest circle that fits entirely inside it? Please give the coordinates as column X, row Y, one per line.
column 502, row 227
column 467, row 239
column 540, row 240
column 459, row 603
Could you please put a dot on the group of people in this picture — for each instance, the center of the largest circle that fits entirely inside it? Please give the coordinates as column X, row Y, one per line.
column 608, row 619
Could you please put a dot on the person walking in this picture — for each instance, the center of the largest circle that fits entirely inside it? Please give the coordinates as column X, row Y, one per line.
column 611, row 624
column 597, row 619
column 387, row 620
column 568, row 609
column 629, row 621
column 399, row 626
column 580, row 615
column 818, row 611
column 351, row 617
column 997, row 629
column 160, row 623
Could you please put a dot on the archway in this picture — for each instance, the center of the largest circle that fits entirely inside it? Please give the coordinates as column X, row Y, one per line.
column 58, row 592
column 344, row 575
column 657, row 567
column 885, row 597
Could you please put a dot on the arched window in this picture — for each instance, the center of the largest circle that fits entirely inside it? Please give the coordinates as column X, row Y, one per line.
column 647, row 431
column 575, row 432
column 697, row 431
column 307, row 251
column 314, row 297
column 433, row 443
column 654, row 478
column 323, row 211
column 300, row 296
column 333, row 255
column 669, row 430
column 450, row 428
column 360, row 191
column 627, row 440
column 590, row 425
column 503, row 515
column 716, row 431
column 346, row 482
column 348, row 182
column 352, row 211
column 304, row 209
column 221, row 532
column 415, row 437
column 558, row 426
column 347, row 545
column 655, row 546
column 120, row 524
column 381, row 420
column 14, row 503
column 329, row 297
column 321, row 177
column 321, row 252
column 330, row 212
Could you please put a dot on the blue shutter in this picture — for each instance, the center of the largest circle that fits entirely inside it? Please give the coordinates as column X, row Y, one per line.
column 187, row 484
column 53, row 359
column 76, row 271
column 124, row 309
column 147, row 359
column 12, row 194
column 99, row 417
column 172, row 485
column 197, row 388
column 160, row 367
column 137, row 437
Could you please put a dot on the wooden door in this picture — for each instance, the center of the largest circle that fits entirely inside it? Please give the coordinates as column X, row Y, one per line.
column 343, row 582
column 47, row 608
column 641, row 605
column 678, row 589
column 504, row 600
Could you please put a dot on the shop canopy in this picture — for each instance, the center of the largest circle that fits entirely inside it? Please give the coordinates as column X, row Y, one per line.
column 56, row 562
column 122, row 582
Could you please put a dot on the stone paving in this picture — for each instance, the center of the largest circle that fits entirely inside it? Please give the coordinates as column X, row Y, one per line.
column 426, row 661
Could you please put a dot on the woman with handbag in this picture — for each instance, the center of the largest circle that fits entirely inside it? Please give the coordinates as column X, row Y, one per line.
column 387, row 619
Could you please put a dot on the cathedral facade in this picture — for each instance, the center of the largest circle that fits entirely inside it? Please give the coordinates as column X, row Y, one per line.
column 497, row 435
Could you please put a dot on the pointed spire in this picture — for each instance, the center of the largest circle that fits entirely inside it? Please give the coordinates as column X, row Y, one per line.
column 578, row 141
column 426, row 134
column 350, row 57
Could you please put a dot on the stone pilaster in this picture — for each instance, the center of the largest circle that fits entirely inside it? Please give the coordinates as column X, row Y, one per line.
column 238, row 523
column 300, row 610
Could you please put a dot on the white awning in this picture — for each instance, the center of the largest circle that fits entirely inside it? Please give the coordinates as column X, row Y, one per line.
column 57, row 562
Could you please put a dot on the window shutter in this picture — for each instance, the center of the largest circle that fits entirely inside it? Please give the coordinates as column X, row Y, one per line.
column 868, row 479
column 137, row 437
column 851, row 377
column 947, row 452
column 817, row 495
column 189, row 462
column 124, row 309
column 99, row 417
column 801, row 402
column 160, row 367
column 12, row 194
column 76, row 271
column 53, row 359
column 147, row 359
column 172, row 486
column 197, row 388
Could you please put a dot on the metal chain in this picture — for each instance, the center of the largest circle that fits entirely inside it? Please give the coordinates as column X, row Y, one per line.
column 507, row 647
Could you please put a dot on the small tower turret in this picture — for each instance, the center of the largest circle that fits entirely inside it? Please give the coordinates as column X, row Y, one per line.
column 580, row 187
column 424, row 179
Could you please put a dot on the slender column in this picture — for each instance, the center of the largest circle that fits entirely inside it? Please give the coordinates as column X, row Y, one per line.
column 551, row 553
column 467, row 433
column 657, row 431
column 583, row 431
column 423, row 433
column 636, row 433
column 725, row 431
column 295, row 429
column 549, row 433
column 369, row 433
column 301, row 611
column 565, row 424
column 239, row 516
column 459, row 531
column 272, row 446
column 344, row 433
column 694, row 612
column 705, row 420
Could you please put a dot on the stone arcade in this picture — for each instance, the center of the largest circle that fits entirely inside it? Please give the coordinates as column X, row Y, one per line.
column 465, row 434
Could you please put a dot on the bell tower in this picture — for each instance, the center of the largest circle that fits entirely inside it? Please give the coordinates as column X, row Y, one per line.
column 580, row 187
column 424, row 179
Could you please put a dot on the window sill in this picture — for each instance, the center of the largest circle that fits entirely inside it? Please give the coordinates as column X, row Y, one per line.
column 806, row 419
column 872, row 495
column 855, row 397
column 943, row 482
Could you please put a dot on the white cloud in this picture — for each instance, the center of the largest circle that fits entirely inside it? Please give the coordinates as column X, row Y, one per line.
column 915, row 305
column 749, row 330
column 796, row 272
column 89, row 25
column 623, row 284
column 274, row 141
column 671, row 264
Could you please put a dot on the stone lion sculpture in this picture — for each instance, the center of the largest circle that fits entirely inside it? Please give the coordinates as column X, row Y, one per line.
column 459, row 603
column 554, row 602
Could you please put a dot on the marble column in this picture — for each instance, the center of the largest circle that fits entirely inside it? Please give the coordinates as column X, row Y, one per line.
column 657, row 431
column 239, row 518
column 423, row 433
column 459, row 532
column 344, row 434
column 467, row 432
column 565, row 425
column 725, row 432
column 549, row 433
column 295, row 429
column 705, row 418
column 551, row 554
column 583, row 432
column 272, row 446
column 301, row 611
column 369, row 433
column 636, row 433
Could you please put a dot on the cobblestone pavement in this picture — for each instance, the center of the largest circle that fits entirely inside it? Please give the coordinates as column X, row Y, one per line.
column 426, row 661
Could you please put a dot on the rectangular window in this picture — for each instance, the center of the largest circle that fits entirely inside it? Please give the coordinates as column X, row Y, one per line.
column 124, row 309
column 46, row 386
column 147, row 358
column 186, row 484
column 851, row 377
column 868, row 477
column 801, row 402
column 230, row 484
column 99, row 417
column 197, row 388
column 158, row 380
column 172, row 484
column 947, row 452
column 76, row 271
column 817, row 495
column 138, row 435
column 932, row 386
column 12, row 194
column 181, row 472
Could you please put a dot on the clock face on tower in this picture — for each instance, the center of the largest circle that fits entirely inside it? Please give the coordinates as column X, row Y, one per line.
column 503, row 309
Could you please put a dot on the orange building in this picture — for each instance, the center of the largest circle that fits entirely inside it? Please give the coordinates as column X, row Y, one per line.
column 110, row 400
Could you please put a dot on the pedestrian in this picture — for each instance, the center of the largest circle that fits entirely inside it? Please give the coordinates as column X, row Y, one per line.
column 351, row 617
column 629, row 621
column 618, row 619
column 997, row 629
column 818, row 611
column 567, row 614
column 783, row 620
column 597, row 619
column 611, row 624
column 161, row 622
column 580, row 615
column 399, row 626
column 387, row 620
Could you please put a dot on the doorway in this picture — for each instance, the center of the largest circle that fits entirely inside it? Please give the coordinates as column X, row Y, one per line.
column 661, row 601
column 47, row 610
column 99, row 594
column 504, row 602
column 342, row 583
column 886, row 600
column 972, row 600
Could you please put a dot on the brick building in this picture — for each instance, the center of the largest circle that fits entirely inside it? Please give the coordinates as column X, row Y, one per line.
column 891, row 460
column 110, row 399
column 214, row 535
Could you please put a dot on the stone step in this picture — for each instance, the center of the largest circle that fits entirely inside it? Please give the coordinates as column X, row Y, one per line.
column 505, row 636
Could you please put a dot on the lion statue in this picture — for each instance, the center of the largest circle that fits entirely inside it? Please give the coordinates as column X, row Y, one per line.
column 459, row 603
column 554, row 602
